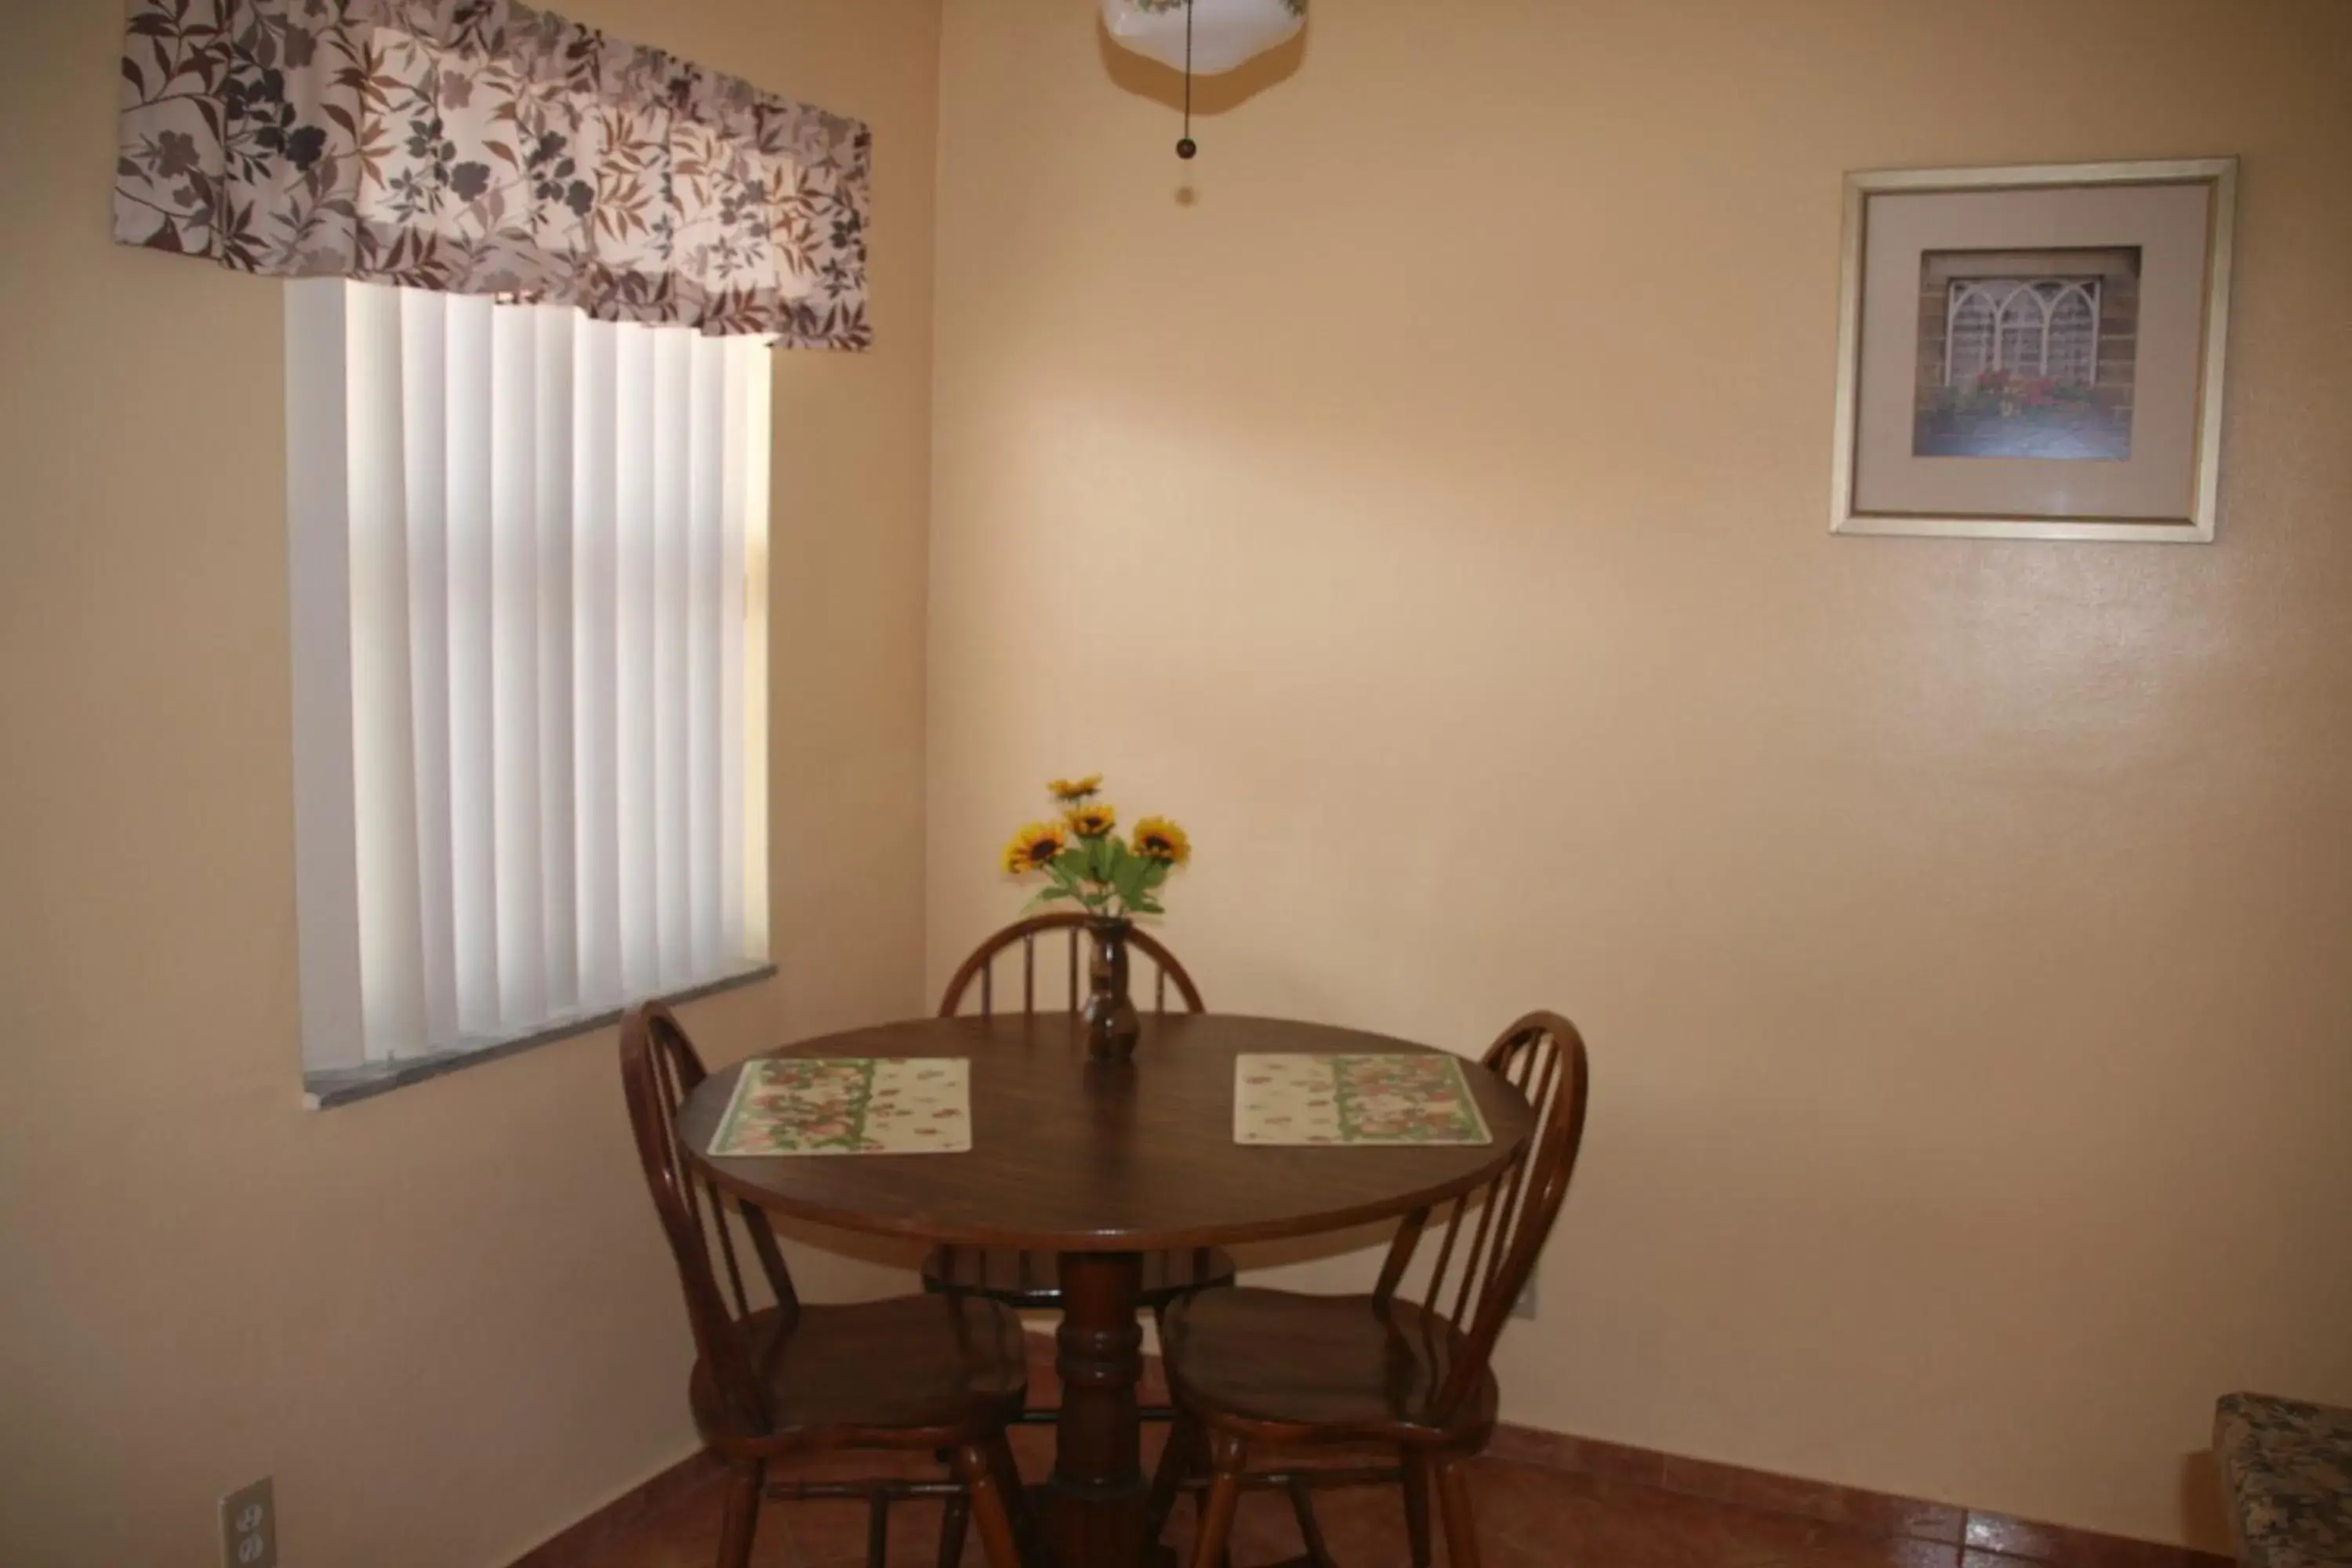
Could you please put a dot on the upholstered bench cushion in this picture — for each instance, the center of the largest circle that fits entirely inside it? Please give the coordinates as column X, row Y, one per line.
column 2287, row 1467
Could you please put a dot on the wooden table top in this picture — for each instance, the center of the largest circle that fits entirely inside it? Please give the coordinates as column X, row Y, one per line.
column 1071, row 1156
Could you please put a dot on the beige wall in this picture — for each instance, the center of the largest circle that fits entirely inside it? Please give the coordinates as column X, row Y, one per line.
column 443, row 1320
column 1429, row 511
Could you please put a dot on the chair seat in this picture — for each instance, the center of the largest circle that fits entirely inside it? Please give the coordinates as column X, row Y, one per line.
column 914, row 1371
column 1033, row 1279
column 1345, row 1366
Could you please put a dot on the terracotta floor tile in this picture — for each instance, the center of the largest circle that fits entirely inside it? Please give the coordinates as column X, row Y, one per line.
column 1818, row 1500
column 1991, row 1533
column 1263, row 1530
column 827, row 1531
column 686, row 1536
column 1559, row 1451
column 2012, row 1537
column 1364, row 1526
column 1595, row 1520
column 1529, row 1517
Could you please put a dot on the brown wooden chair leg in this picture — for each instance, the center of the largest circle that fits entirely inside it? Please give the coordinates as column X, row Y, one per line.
column 989, row 1512
column 1196, row 1463
column 952, row 1529
column 878, row 1530
column 1319, row 1551
column 1415, row 1482
column 1226, row 1456
column 1175, row 1463
column 1461, row 1525
column 744, row 1489
column 1015, row 1492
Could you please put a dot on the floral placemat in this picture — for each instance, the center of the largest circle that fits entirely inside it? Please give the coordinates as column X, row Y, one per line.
column 1419, row 1099
column 849, row 1105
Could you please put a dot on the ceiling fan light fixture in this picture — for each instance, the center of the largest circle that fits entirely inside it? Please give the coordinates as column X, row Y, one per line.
column 1224, row 33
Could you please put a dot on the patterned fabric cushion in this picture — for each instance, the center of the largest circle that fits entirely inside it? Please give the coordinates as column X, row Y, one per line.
column 2288, row 1469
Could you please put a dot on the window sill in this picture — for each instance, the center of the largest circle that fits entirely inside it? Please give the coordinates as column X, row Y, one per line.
column 345, row 1086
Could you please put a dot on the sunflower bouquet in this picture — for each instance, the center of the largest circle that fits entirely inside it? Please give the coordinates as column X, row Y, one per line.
column 1085, row 859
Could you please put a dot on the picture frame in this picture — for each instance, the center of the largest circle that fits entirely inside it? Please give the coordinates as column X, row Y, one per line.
column 2034, row 352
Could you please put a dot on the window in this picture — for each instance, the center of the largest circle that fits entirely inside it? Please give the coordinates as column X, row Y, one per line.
column 2038, row 327
column 528, row 574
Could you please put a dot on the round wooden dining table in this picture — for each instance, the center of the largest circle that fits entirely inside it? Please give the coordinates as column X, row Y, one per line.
column 1099, row 1163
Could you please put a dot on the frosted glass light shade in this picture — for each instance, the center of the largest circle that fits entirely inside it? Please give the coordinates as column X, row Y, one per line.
column 1224, row 32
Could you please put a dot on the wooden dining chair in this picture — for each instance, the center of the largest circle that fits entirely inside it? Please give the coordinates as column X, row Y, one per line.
column 1029, row 1279
column 771, row 1384
column 1250, row 1366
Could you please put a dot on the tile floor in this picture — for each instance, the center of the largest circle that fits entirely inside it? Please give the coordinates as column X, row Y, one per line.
column 1527, row 1516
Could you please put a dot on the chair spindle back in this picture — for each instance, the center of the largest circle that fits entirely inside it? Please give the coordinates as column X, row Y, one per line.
column 1064, row 938
column 1542, row 1057
column 659, row 1068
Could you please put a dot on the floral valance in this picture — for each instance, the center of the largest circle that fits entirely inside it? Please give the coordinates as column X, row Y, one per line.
column 482, row 147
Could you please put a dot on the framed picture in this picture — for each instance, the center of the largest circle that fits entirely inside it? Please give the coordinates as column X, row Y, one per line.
column 2033, row 352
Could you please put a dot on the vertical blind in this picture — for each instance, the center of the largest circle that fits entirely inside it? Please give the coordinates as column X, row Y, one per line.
column 528, row 556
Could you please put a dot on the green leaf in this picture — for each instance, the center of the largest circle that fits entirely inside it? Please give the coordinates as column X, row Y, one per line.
column 1127, row 878
column 1147, row 905
column 1155, row 873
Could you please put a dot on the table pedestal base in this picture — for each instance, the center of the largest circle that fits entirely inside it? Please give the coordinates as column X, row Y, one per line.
column 1094, row 1501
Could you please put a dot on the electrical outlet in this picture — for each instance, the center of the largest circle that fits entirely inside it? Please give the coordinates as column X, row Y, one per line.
column 1524, row 1306
column 248, row 1524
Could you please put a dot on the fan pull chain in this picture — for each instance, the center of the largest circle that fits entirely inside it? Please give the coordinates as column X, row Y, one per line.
column 1185, row 146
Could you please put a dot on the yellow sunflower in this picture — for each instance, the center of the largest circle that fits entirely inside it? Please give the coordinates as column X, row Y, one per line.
column 1072, row 791
column 1157, row 838
column 1033, row 847
column 1091, row 819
